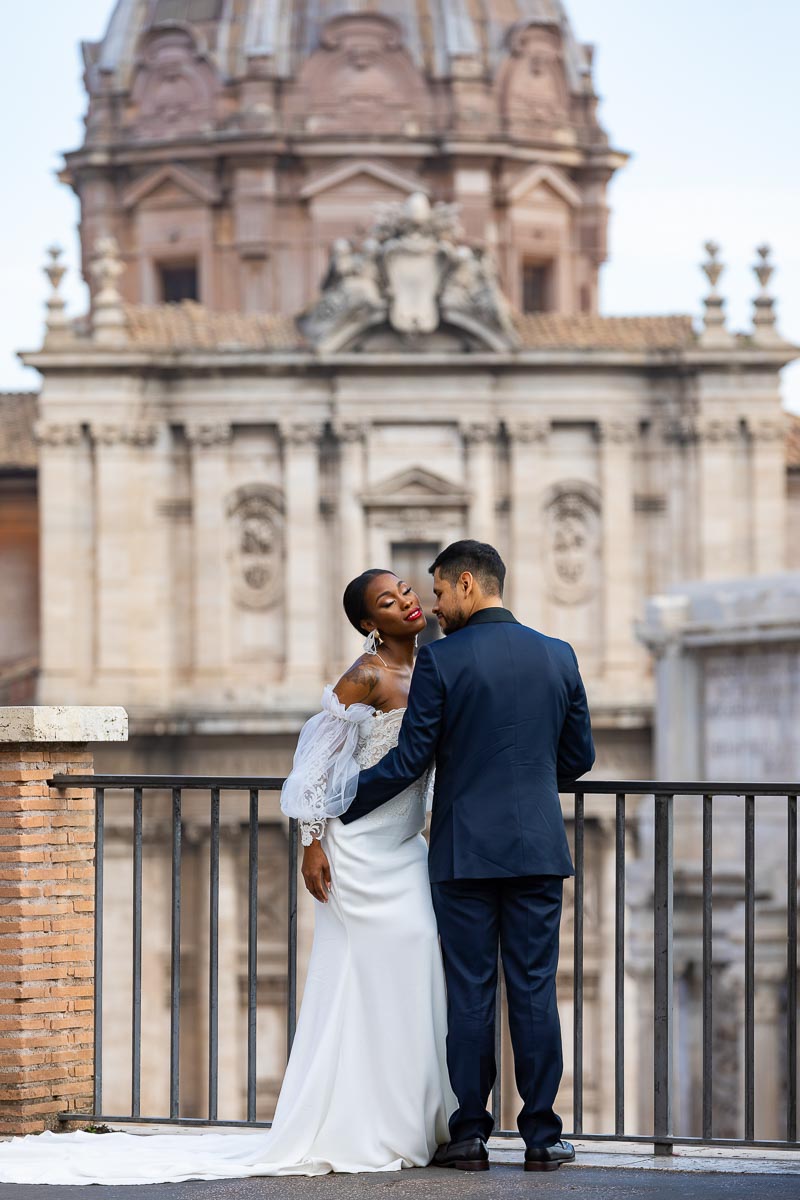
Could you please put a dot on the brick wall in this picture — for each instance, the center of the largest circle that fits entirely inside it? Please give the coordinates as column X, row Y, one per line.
column 46, row 937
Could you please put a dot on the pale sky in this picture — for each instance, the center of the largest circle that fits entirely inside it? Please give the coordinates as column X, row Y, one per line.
column 702, row 92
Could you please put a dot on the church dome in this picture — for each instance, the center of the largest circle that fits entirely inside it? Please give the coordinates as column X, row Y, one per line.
column 230, row 143
column 439, row 36
column 168, row 68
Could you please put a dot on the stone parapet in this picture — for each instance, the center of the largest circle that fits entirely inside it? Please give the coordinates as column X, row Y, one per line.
column 47, row 912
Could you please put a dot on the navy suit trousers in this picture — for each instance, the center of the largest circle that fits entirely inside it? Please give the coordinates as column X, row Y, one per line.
column 521, row 917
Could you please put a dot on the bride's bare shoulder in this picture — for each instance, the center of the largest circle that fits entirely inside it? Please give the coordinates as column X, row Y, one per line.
column 359, row 682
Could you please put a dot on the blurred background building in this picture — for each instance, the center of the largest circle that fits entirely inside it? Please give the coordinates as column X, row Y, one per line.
column 343, row 261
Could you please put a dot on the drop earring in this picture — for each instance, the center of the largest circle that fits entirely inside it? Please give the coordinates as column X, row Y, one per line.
column 372, row 643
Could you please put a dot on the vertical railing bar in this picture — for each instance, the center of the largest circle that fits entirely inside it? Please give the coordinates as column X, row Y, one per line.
column 213, row 957
column 791, row 974
column 577, row 971
column 749, row 965
column 175, row 958
column 136, row 1016
column 252, row 953
column 619, row 971
column 97, row 1036
column 497, row 1087
column 707, row 1033
column 662, row 973
column 291, row 996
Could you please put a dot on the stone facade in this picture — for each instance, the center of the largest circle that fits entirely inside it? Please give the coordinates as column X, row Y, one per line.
column 727, row 658
column 213, row 472
column 220, row 464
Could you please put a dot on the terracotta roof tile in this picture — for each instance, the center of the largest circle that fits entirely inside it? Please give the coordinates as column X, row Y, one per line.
column 793, row 441
column 18, row 412
column 190, row 326
column 547, row 331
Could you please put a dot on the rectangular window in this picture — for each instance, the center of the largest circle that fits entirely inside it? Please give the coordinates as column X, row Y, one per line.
column 537, row 287
column 178, row 281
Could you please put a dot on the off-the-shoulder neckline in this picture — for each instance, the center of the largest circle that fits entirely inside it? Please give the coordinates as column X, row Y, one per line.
column 379, row 713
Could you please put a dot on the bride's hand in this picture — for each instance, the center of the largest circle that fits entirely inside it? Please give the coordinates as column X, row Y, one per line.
column 316, row 871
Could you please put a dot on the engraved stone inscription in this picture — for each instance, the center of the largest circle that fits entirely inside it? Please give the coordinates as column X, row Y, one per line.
column 751, row 700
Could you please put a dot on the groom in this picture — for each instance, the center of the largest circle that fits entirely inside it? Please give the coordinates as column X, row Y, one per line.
column 502, row 711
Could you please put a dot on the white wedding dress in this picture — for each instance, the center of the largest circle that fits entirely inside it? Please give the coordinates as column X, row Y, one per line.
column 366, row 1087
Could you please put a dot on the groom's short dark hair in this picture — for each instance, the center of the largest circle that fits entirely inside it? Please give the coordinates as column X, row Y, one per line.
column 479, row 558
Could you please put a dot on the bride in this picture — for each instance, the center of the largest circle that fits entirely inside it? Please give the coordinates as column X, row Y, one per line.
column 366, row 1087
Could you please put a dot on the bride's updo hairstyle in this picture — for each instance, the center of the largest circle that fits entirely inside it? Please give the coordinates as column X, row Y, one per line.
column 354, row 599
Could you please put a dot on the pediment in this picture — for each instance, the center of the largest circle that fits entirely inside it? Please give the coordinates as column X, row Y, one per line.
column 545, row 177
column 360, row 172
column 415, row 487
column 168, row 185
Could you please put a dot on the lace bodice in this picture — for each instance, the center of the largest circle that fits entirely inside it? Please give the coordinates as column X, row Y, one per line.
column 381, row 736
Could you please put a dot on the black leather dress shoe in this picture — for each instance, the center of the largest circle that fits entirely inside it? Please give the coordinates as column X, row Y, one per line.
column 470, row 1155
column 549, row 1158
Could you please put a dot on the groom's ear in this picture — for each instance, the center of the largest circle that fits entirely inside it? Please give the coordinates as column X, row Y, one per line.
column 467, row 582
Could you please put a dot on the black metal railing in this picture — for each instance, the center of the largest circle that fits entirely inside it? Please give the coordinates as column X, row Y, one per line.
column 663, row 794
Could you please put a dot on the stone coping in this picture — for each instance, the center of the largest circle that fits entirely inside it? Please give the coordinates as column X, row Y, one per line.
column 747, row 608
column 63, row 723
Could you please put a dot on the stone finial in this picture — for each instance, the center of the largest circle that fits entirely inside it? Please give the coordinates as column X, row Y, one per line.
column 764, row 304
column 56, row 324
column 714, row 331
column 108, row 315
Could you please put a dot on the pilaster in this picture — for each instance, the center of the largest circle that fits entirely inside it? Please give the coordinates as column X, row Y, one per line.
column 210, row 482
column 617, row 440
column 130, row 586
column 66, row 557
column 719, row 486
column 768, row 499
column 351, row 437
column 480, row 440
column 304, row 662
column 528, row 448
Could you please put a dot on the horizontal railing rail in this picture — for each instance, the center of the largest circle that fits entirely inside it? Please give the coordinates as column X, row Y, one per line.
column 664, row 794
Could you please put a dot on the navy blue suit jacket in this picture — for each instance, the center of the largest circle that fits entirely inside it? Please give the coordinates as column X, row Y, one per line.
column 502, row 711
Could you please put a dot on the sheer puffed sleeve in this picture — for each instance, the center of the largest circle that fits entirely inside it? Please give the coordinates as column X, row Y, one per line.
column 324, row 774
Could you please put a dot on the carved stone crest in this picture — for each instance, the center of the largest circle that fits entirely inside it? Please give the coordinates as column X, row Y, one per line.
column 414, row 274
column 360, row 79
column 255, row 519
column 531, row 82
column 175, row 87
column 572, row 522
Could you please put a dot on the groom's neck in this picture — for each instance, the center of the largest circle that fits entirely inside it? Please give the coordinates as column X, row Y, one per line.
column 487, row 602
